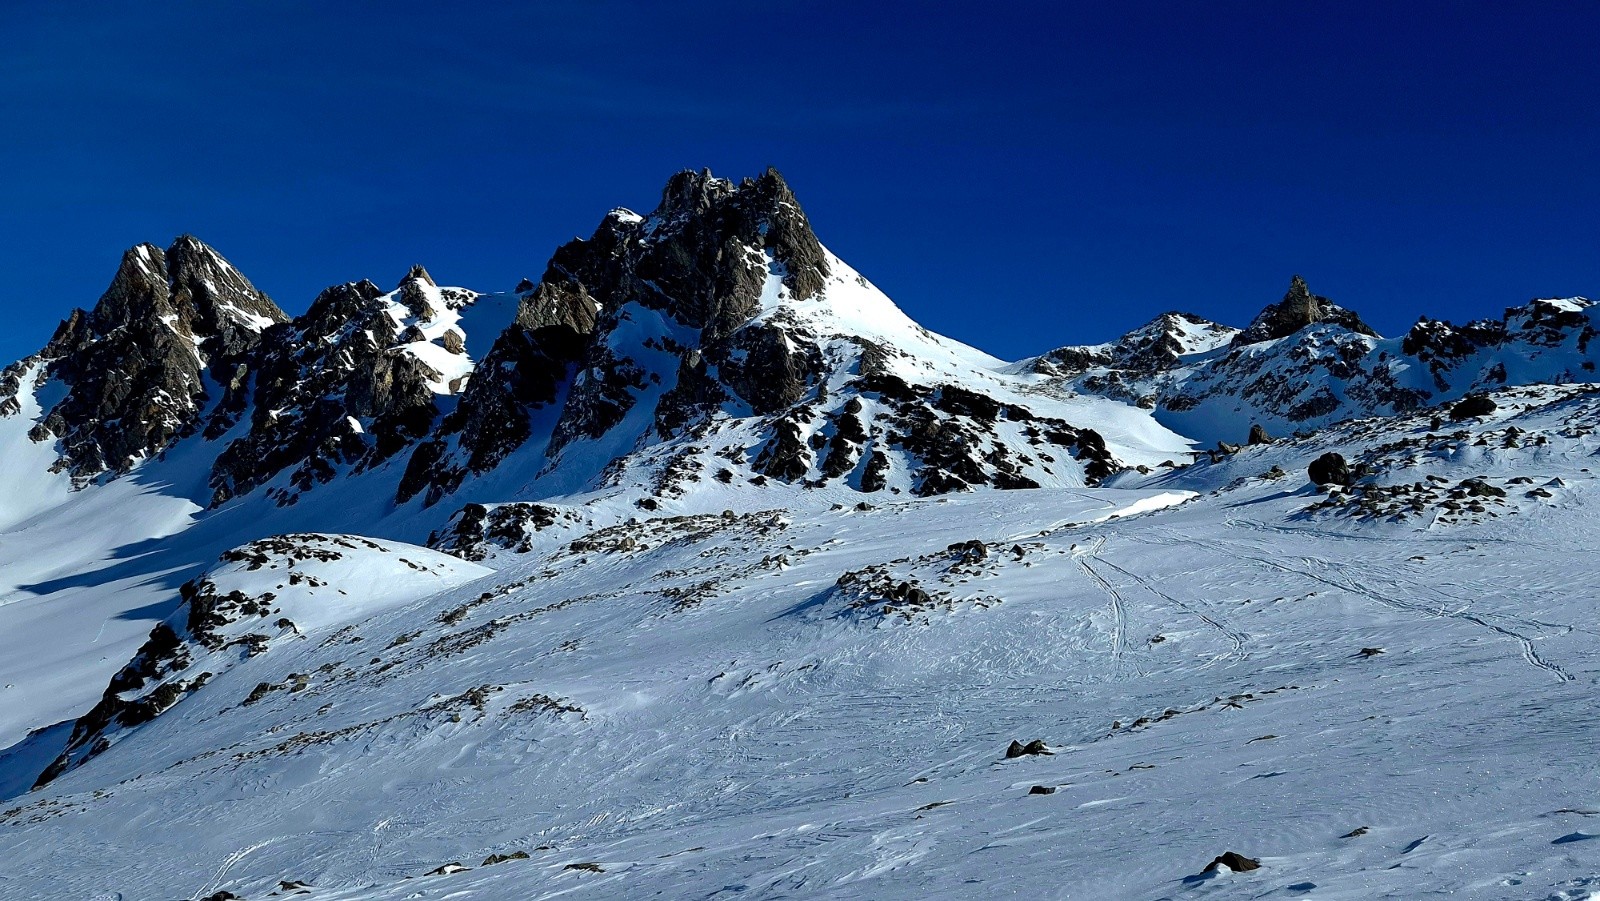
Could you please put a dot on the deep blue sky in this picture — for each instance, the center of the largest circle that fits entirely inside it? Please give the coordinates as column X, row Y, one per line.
column 1015, row 175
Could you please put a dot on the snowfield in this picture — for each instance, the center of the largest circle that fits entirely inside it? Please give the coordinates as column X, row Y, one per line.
column 699, row 705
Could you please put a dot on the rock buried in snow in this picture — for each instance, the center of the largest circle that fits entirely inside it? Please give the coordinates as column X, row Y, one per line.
column 1018, row 749
column 1042, row 790
column 1369, row 652
column 1234, row 861
column 1330, row 469
column 449, row 868
column 493, row 859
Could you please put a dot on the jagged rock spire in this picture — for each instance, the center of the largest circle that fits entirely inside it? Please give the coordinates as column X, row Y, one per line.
column 133, row 365
column 420, row 274
column 1298, row 309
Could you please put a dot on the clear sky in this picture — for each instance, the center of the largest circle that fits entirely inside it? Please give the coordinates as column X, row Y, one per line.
column 1015, row 175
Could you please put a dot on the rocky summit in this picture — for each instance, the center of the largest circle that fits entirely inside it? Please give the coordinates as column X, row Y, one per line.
column 697, row 567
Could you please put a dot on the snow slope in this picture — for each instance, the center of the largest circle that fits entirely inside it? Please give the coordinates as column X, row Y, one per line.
column 703, row 585
column 750, row 703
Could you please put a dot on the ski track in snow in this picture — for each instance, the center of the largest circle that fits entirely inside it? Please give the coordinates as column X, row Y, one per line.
column 1344, row 581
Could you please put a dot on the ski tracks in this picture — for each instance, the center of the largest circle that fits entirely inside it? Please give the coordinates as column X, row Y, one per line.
column 1235, row 638
column 1339, row 578
column 1119, row 613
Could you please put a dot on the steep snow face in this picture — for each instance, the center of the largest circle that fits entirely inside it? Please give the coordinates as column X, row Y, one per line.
column 817, row 700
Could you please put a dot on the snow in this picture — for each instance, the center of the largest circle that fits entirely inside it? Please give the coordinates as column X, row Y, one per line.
column 477, row 318
column 733, row 695
column 255, row 321
column 770, row 738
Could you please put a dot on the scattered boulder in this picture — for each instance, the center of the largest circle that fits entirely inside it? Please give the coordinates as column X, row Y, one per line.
column 588, row 867
column 1258, row 435
column 1331, row 469
column 973, row 551
column 493, row 859
column 1472, row 406
column 1018, row 749
column 1234, row 861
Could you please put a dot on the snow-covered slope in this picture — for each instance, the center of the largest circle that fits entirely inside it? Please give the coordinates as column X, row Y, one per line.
column 818, row 701
column 681, row 572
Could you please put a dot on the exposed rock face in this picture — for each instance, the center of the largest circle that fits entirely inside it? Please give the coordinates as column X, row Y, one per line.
column 720, row 313
column 1136, row 366
column 527, row 370
column 1157, row 346
column 317, row 378
column 1306, row 363
column 691, row 275
column 644, row 298
column 345, row 385
column 1298, row 309
column 135, row 366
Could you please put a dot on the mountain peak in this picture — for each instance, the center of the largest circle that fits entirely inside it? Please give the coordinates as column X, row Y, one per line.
column 134, row 366
column 1298, row 309
column 418, row 273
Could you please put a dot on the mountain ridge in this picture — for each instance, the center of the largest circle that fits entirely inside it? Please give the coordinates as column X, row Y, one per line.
column 699, row 564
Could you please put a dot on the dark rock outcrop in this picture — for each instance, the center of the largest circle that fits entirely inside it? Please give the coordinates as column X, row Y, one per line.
column 333, row 388
column 1298, row 309
column 1018, row 749
column 1234, row 861
column 699, row 263
column 525, row 371
column 135, row 368
column 646, row 306
column 1330, row 469
column 1472, row 406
